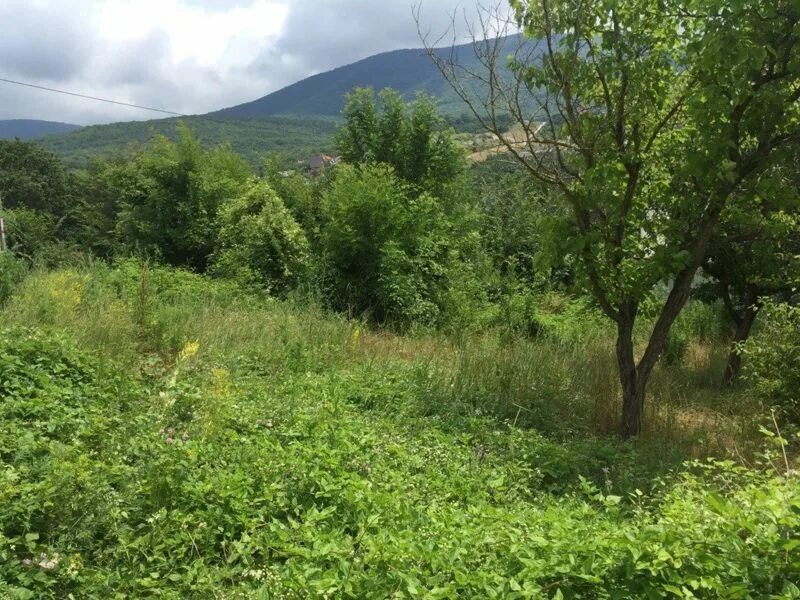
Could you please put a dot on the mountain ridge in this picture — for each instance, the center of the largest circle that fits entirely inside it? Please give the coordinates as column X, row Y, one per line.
column 295, row 120
column 26, row 129
column 408, row 71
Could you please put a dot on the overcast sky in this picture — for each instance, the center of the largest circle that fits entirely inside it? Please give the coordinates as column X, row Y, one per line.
column 188, row 56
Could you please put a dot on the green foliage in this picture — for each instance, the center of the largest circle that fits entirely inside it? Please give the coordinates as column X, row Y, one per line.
column 413, row 140
column 170, row 195
column 275, row 453
column 293, row 137
column 34, row 179
column 650, row 145
column 260, row 242
column 399, row 234
column 28, row 231
column 773, row 358
column 301, row 195
column 517, row 225
column 12, row 272
column 388, row 254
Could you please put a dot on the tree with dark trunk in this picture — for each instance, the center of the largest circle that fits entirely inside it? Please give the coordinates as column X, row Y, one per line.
column 755, row 253
column 649, row 119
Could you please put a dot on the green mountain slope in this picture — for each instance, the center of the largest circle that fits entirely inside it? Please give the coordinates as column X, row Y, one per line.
column 26, row 129
column 296, row 121
column 291, row 136
column 407, row 71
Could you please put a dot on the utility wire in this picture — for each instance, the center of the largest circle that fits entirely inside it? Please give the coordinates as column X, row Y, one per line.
column 47, row 89
column 232, row 120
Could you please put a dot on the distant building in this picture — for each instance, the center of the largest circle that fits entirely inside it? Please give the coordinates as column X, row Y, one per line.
column 319, row 162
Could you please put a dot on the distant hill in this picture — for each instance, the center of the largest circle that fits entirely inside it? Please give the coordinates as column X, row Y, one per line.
column 296, row 121
column 407, row 71
column 291, row 136
column 26, row 129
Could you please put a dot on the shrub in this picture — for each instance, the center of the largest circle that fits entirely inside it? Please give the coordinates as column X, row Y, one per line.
column 260, row 242
column 300, row 194
column 169, row 197
column 12, row 272
column 29, row 231
column 772, row 358
column 390, row 254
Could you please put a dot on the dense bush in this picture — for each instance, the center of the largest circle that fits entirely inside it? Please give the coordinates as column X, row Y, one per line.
column 388, row 253
column 772, row 358
column 260, row 242
column 35, row 179
column 29, row 231
column 169, row 196
column 301, row 195
column 12, row 271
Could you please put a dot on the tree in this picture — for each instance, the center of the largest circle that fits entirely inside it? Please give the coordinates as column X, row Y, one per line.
column 389, row 253
column 651, row 117
column 755, row 253
column 34, row 179
column 413, row 139
column 260, row 242
column 170, row 195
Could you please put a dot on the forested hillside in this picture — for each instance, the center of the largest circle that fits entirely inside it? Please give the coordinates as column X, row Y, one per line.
column 26, row 129
column 297, row 121
column 295, row 137
column 406, row 71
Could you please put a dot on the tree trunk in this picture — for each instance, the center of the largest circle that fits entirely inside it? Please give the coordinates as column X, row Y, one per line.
column 632, row 388
column 743, row 327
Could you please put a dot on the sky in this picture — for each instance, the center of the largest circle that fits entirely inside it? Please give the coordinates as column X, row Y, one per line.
column 189, row 56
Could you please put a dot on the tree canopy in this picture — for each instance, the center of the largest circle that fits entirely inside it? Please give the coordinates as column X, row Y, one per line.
column 651, row 118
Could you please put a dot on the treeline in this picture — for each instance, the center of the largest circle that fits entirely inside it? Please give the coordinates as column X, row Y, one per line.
column 398, row 232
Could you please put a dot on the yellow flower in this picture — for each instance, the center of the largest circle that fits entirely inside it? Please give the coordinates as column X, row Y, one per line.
column 189, row 351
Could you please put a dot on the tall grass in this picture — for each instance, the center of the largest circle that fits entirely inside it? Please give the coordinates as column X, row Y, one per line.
column 562, row 382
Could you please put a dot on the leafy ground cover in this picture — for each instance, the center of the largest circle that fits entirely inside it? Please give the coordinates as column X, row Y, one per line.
column 162, row 435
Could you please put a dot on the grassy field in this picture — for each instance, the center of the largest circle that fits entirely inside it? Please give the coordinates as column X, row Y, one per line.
column 163, row 435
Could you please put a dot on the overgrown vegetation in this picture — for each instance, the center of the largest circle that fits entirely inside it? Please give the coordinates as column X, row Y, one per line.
column 165, row 434
column 397, row 375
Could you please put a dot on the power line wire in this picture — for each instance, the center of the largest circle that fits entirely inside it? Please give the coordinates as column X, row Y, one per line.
column 66, row 93
column 233, row 120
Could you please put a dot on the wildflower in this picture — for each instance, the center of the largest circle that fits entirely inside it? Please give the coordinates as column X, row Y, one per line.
column 27, row 562
column 171, row 431
column 169, row 441
column 48, row 563
column 185, row 437
column 189, row 351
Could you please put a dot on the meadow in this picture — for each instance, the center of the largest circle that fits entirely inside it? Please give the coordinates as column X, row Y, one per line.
column 166, row 435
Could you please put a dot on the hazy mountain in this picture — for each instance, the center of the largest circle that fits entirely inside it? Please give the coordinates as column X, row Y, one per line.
column 26, row 129
column 294, row 121
column 407, row 71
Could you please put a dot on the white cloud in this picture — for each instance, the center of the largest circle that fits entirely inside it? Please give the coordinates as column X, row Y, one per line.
column 188, row 56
